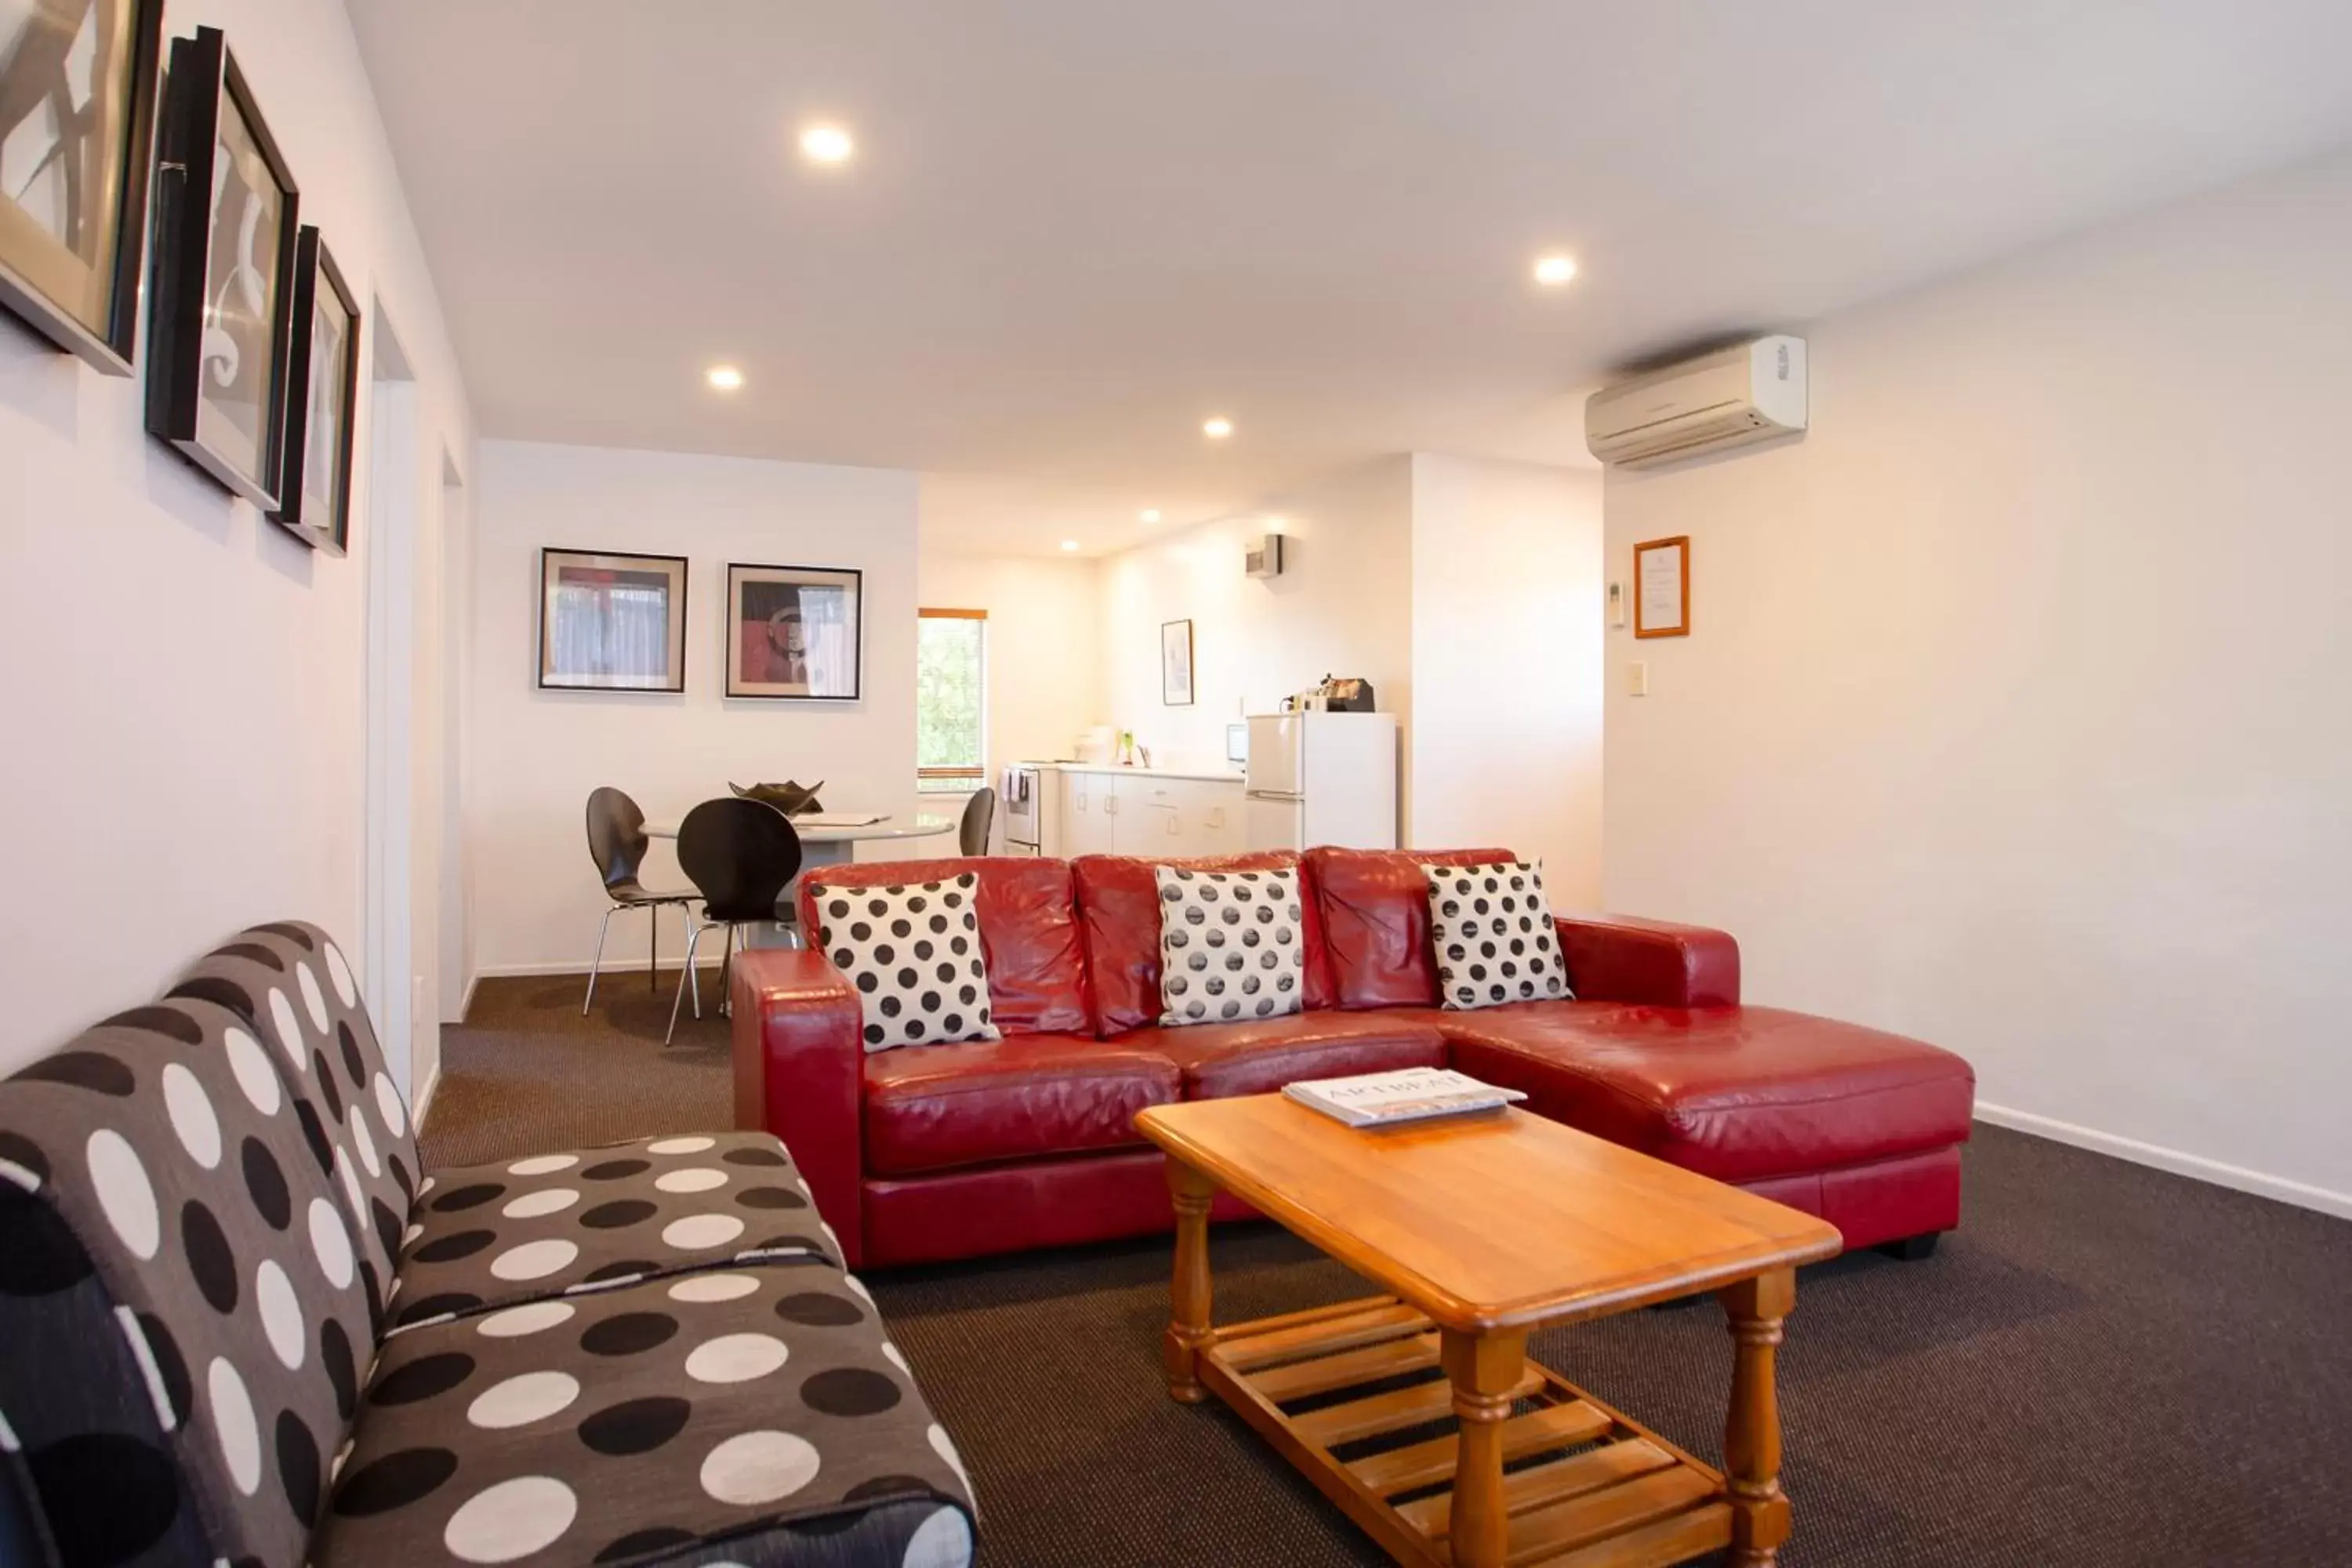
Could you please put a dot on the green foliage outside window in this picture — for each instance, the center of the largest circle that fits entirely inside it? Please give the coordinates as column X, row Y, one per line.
column 950, row 654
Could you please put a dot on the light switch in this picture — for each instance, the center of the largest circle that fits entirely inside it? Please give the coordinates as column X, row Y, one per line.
column 1637, row 678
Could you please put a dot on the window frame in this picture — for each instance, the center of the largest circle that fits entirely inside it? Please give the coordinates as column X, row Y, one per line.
column 928, row 780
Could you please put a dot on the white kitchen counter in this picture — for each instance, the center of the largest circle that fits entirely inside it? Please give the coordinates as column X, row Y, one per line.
column 1200, row 774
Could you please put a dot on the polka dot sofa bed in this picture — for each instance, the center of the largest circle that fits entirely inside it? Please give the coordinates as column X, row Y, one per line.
column 239, row 1326
column 929, row 1152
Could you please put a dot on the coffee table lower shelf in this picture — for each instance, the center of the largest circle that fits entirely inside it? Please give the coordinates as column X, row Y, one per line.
column 1608, row 1492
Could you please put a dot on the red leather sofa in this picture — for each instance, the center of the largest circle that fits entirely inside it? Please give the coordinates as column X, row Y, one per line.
column 928, row 1153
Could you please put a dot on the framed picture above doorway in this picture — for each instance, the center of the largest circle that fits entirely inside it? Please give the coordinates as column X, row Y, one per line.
column 1176, row 663
column 795, row 633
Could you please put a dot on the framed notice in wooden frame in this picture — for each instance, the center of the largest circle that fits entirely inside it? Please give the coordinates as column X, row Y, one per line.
column 1662, row 587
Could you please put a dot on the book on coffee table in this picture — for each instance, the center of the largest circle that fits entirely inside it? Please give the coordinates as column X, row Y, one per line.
column 1411, row 1094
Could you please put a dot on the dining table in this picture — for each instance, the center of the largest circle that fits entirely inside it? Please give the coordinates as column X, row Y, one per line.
column 828, row 838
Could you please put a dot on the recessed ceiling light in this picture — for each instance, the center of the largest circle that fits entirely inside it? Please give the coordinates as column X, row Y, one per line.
column 1555, row 269
column 827, row 145
column 1070, row 544
column 1217, row 428
column 1150, row 514
column 724, row 378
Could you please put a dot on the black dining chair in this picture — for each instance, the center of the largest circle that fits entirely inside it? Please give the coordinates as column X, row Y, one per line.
column 616, row 842
column 741, row 855
column 979, row 816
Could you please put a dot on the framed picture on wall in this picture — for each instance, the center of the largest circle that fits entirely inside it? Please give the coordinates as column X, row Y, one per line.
column 77, row 142
column 795, row 632
column 1662, row 587
column 1176, row 663
column 225, row 276
column 322, row 388
column 611, row 620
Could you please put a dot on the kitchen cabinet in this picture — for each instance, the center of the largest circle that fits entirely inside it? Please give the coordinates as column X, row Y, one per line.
column 1089, row 810
column 1169, row 817
column 1144, row 811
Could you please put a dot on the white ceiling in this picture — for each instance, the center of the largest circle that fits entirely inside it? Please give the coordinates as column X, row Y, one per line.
column 1073, row 229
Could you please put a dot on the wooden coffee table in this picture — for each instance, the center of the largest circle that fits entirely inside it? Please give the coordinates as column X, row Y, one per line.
column 1483, row 1229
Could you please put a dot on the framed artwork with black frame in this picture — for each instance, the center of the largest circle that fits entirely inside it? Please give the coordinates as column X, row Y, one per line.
column 611, row 620
column 1176, row 663
column 322, row 389
column 224, row 244
column 78, row 146
column 795, row 632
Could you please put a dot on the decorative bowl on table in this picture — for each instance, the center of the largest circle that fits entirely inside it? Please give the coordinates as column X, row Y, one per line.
column 792, row 799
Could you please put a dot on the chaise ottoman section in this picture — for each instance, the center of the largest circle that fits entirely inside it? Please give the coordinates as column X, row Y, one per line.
column 1742, row 1094
column 761, row 1411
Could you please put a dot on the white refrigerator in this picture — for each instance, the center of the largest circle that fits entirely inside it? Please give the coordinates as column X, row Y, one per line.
column 1322, row 778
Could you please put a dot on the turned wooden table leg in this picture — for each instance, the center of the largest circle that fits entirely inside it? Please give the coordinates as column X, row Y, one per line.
column 1188, row 1292
column 1751, row 1438
column 1484, row 1369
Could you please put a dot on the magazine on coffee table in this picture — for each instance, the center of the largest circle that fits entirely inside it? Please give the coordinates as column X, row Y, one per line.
column 1412, row 1094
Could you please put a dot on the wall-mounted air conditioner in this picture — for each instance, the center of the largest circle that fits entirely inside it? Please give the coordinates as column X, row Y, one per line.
column 1751, row 392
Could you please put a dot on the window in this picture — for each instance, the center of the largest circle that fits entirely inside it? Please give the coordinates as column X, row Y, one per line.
column 951, row 699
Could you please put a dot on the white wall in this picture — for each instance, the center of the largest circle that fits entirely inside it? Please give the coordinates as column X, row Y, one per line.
column 1045, row 682
column 1506, row 647
column 537, row 754
column 185, row 709
column 1343, row 607
column 2014, row 713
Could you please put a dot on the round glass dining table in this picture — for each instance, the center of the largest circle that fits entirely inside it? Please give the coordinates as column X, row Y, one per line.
column 823, row 843
column 831, row 843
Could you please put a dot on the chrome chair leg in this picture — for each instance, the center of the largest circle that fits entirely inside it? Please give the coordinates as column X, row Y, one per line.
column 653, row 948
column 693, row 975
column 693, row 942
column 594, row 963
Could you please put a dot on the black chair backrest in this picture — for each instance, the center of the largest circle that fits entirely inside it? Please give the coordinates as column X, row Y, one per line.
column 616, row 835
column 739, row 854
column 979, row 815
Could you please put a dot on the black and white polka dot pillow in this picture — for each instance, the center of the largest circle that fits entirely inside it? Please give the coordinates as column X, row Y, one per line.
column 1493, row 930
column 914, row 955
column 1229, row 945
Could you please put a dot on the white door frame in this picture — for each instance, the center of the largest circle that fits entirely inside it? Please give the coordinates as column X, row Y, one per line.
column 388, row 955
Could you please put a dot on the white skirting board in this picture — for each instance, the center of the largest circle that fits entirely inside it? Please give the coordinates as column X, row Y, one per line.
column 2299, row 1194
column 418, row 1112
column 633, row 963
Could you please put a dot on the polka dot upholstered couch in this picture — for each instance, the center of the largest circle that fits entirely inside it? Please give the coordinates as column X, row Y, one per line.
column 239, row 1326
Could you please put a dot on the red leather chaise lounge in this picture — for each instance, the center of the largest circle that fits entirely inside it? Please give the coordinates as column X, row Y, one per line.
column 927, row 1152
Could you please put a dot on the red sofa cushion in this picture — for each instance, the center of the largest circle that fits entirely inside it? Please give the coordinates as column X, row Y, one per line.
column 1118, row 908
column 1220, row 1061
column 1028, row 930
column 1375, row 909
column 935, row 1108
column 1737, row 1093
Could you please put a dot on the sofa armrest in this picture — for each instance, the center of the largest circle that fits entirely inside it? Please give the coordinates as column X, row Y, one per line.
column 799, row 1073
column 1617, row 958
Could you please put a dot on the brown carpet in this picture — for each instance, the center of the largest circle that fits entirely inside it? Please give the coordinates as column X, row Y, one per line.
column 2106, row 1365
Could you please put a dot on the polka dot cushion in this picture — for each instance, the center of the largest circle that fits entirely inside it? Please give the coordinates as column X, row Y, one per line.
column 1494, row 935
column 643, row 1424
column 484, row 1237
column 1229, row 947
column 914, row 955
column 163, row 1205
column 297, row 991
